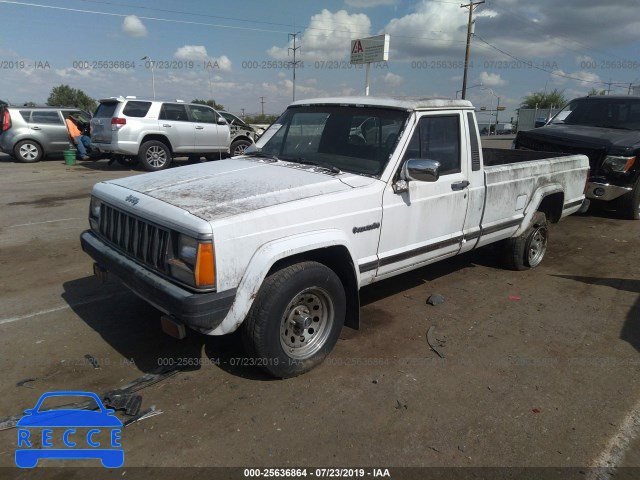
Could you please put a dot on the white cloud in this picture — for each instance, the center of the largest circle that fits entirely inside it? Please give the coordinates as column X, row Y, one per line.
column 198, row 53
column 132, row 26
column 369, row 3
column 328, row 36
column 491, row 79
column 392, row 79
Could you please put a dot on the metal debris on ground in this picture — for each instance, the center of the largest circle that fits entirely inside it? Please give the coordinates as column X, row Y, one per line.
column 431, row 340
column 149, row 412
column 92, row 360
column 139, row 383
column 23, row 383
column 435, row 299
column 128, row 402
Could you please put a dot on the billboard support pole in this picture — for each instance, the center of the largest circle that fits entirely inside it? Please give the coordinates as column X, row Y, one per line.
column 366, row 82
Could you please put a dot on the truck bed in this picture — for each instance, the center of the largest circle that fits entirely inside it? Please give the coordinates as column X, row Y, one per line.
column 499, row 156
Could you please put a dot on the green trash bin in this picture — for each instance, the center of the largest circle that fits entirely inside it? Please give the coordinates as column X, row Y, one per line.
column 70, row 157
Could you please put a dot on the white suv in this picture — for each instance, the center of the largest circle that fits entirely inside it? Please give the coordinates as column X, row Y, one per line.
column 154, row 131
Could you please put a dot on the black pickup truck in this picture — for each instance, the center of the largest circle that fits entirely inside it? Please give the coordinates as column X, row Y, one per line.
column 607, row 130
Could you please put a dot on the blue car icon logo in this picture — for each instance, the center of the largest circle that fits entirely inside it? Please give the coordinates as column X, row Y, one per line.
column 78, row 431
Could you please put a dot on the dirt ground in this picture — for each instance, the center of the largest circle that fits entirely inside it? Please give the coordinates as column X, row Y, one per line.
column 541, row 368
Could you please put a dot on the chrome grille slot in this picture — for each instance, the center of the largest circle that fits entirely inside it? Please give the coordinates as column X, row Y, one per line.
column 140, row 239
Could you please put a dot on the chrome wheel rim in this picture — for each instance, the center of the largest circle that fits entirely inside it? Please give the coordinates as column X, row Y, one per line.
column 156, row 156
column 306, row 323
column 537, row 246
column 239, row 150
column 28, row 151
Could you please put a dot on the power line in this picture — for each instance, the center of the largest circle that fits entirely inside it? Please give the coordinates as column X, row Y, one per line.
column 551, row 72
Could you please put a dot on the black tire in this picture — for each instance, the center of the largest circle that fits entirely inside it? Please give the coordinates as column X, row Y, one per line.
column 527, row 250
column 28, row 151
column 630, row 203
column 154, row 155
column 309, row 293
column 238, row 147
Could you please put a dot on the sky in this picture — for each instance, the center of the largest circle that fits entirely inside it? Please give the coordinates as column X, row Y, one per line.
column 239, row 53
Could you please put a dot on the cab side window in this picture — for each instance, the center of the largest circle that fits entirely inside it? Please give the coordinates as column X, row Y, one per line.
column 172, row 111
column 437, row 138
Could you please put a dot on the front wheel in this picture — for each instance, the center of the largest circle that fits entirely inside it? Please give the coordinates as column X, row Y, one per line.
column 238, row 147
column 154, row 156
column 528, row 250
column 630, row 203
column 295, row 319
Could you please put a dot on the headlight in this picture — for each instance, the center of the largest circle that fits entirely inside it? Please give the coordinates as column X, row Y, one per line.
column 94, row 213
column 618, row 164
column 194, row 262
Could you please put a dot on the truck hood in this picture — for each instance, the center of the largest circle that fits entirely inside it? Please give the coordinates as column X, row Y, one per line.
column 591, row 137
column 220, row 189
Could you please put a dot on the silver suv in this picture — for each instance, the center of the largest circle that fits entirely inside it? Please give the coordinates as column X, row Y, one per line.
column 31, row 133
column 154, row 131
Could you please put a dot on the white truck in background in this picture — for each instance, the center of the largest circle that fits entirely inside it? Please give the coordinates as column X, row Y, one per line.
column 337, row 194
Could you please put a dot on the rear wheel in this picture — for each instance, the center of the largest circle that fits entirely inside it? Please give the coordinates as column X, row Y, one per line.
column 528, row 250
column 238, row 147
column 295, row 319
column 28, row 151
column 154, row 155
column 630, row 203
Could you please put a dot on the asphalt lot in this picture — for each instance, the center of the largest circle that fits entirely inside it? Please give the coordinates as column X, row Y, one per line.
column 541, row 368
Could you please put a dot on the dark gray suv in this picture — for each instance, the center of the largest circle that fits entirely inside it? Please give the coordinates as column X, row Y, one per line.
column 31, row 133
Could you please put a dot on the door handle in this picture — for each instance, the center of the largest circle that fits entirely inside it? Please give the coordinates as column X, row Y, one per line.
column 456, row 186
column 199, row 128
column 36, row 128
column 166, row 125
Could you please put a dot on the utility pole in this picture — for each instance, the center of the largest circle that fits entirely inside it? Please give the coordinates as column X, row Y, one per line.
column 262, row 105
column 294, row 63
column 471, row 6
column 242, row 109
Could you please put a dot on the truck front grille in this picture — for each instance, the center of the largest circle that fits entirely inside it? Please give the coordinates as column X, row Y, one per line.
column 140, row 239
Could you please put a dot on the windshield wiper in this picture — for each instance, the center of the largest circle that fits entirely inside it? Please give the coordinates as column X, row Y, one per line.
column 326, row 166
column 273, row 158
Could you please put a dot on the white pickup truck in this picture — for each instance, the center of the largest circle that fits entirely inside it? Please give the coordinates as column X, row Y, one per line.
column 338, row 193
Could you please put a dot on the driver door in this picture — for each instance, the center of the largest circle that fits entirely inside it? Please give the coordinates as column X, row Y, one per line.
column 425, row 223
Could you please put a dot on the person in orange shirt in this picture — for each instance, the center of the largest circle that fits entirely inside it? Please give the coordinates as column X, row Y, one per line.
column 82, row 141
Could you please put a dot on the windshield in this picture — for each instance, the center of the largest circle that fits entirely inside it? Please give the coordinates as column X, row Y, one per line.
column 617, row 113
column 341, row 138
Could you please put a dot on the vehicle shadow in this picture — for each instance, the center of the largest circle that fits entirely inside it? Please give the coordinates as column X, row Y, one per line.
column 132, row 327
column 631, row 329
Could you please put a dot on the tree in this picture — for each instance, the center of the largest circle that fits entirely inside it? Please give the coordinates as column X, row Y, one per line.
column 66, row 96
column 261, row 119
column 555, row 98
column 594, row 92
column 212, row 103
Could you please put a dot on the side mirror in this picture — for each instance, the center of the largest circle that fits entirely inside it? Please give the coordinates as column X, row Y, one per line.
column 421, row 170
column 221, row 120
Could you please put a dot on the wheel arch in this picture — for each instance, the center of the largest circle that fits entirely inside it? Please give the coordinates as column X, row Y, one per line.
column 328, row 247
column 158, row 137
column 547, row 199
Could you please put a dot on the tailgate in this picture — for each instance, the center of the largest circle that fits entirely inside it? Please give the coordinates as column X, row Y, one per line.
column 101, row 122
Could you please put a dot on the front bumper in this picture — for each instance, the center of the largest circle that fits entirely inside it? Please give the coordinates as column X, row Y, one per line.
column 202, row 311
column 605, row 191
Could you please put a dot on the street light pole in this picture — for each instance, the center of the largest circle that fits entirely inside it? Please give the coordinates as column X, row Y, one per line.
column 153, row 75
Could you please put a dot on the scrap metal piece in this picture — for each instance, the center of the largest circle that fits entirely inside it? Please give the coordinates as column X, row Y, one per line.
column 149, row 412
column 432, row 341
column 128, row 402
column 92, row 360
column 23, row 383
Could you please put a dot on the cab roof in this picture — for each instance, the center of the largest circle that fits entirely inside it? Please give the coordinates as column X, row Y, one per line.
column 403, row 103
